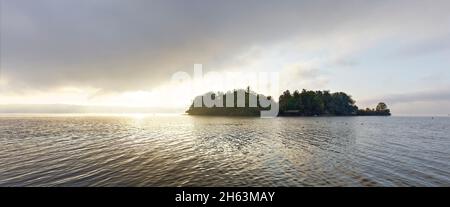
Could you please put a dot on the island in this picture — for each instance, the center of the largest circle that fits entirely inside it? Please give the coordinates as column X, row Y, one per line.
column 304, row 103
column 224, row 109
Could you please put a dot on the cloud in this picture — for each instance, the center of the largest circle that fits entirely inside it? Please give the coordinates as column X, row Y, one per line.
column 425, row 102
column 106, row 49
column 430, row 96
column 427, row 46
column 307, row 75
column 121, row 45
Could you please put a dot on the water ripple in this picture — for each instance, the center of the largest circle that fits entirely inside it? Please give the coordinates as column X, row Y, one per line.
column 213, row 151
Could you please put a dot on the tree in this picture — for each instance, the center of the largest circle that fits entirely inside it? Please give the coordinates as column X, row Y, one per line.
column 311, row 103
column 380, row 110
column 304, row 103
column 381, row 107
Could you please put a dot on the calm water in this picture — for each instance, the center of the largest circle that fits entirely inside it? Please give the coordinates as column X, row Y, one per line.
column 211, row 151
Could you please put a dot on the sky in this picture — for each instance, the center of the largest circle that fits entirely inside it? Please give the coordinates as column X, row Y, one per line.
column 125, row 53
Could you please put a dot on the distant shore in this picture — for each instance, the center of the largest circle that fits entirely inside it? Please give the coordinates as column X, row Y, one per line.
column 306, row 103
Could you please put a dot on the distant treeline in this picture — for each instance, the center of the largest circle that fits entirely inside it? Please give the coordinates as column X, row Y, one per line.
column 304, row 103
column 324, row 103
column 380, row 110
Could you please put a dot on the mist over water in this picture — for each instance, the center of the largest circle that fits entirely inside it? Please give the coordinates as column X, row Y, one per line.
column 215, row 151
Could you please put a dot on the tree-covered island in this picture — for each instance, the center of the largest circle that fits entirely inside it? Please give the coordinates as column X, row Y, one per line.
column 304, row 103
column 231, row 107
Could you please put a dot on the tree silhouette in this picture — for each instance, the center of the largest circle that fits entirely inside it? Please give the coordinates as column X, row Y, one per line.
column 380, row 110
column 316, row 103
column 381, row 106
column 304, row 103
column 234, row 110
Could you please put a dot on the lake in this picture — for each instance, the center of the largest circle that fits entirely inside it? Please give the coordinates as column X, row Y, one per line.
column 181, row 150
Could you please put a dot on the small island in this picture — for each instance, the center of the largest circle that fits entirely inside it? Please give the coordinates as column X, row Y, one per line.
column 236, row 109
column 304, row 103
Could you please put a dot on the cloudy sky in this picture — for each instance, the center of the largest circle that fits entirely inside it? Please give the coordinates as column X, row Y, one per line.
column 124, row 53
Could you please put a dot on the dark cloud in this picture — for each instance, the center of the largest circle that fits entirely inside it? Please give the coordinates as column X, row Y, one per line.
column 124, row 45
